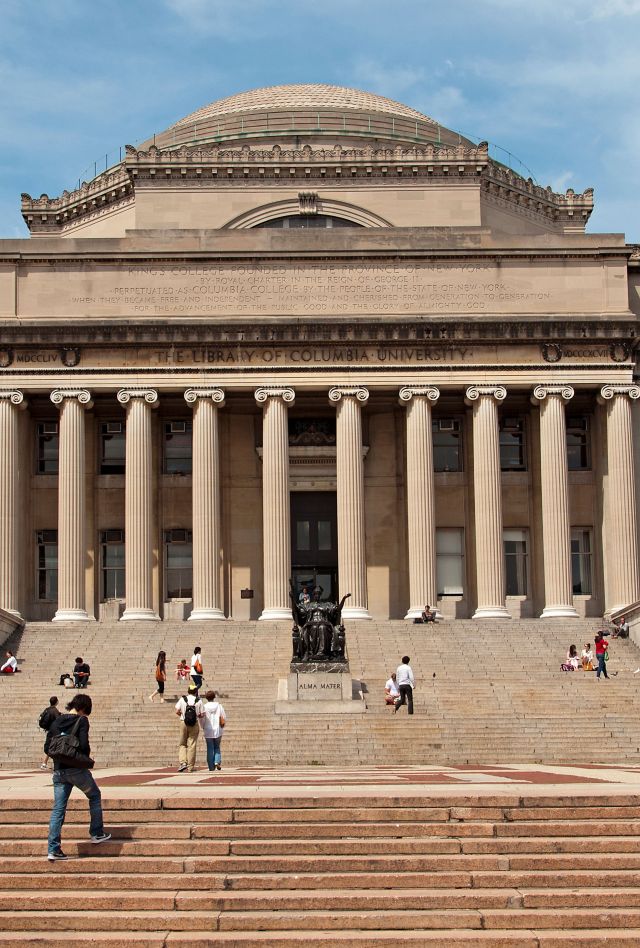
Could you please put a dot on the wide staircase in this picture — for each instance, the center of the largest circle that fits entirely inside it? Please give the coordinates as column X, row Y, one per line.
column 349, row 871
column 485, row 693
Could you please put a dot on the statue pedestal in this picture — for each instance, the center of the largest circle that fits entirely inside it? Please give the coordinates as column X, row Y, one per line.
column 319, row 688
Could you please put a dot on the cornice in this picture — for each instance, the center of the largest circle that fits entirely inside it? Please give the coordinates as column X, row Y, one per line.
column 211, row 166
column 555, row 337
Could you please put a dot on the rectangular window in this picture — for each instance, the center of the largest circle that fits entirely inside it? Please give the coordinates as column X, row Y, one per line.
column 578, row 443
column 112, row 554
column 450, row 561
column 324, row 535
column 512, row 448
column 447, row 444
column 303, row 535
column 516, row 562
column 47, row 554
column 178, row 437
column 178, row 546
column 112, row 447
column 47, row 447
column 581, row 562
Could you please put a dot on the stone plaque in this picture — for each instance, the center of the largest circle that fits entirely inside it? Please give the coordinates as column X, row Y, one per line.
column 320, row 686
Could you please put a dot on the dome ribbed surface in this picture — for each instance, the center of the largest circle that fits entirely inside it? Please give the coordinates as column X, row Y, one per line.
column 297, row 98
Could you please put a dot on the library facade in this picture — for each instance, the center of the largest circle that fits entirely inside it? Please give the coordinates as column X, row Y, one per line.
column 308, row 333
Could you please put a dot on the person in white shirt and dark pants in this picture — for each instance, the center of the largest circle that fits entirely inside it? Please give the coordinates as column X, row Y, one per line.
column 406, row 683
column 213, row 728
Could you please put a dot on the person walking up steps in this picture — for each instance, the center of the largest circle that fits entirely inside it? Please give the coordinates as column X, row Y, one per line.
column 189, row 710
column 406, row 683
column 213, row 727
column 71, row 768
column 601, row 654
column 45, row 721
column 160, row 675
column 196, row 668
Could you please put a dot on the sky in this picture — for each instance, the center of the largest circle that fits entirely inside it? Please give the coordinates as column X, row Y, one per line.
column 554, row 82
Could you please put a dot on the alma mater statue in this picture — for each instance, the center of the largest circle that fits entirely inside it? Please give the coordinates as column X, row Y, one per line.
column 318, row 633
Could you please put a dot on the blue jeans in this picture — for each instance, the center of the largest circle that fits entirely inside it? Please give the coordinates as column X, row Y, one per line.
column 213, row 751
column 63, row 783
column 197, row 680
column 602, row 666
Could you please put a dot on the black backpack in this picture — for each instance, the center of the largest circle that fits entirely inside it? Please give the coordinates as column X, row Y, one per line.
column 46, row 719
column 190, row 717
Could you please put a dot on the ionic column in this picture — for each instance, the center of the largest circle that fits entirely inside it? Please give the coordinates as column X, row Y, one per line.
column 276, row 512
column 556, row 532
column 487, row 494
column 207, row 530
column 623, row 586
column 72, row 541
column 11, row 401
column 352, row 560
column 421, row 528
column 139, row 504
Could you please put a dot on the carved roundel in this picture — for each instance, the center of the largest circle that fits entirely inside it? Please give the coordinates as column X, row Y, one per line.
column 551, row 352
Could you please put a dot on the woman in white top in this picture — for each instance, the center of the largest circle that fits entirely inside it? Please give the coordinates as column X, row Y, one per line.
column 213, row 726
column 196, row 668
column 10, row 666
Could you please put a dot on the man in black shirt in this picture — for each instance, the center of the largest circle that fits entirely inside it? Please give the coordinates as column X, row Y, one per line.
column 66, row 777
column 47, row 718
column 81, row 672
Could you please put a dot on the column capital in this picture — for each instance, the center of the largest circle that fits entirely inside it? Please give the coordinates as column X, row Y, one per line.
column 429, row 392
column 540, row 392
column 14, row 396
column 474, row 392
column 357, row 392
column 607, row 392
column 274, row 391
column 215, row 394
column 82, row 395
column 125, row 395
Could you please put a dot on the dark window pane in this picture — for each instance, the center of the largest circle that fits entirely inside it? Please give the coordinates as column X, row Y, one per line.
column 112, row 449
column 178, row 438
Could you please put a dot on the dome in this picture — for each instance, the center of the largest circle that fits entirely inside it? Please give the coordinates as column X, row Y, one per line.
column 302, row 98
column 314, row 111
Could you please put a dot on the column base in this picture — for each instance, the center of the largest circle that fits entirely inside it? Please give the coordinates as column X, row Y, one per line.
column 139, row 615
column 491, row 612
column 559, row 612
column 355, row 612
column 73, row 615
column 206, row 614
column 12, row 612
column 276, row 614
column 416, row 612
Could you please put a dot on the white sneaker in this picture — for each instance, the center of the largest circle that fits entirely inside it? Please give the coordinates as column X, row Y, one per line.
column 101, row 839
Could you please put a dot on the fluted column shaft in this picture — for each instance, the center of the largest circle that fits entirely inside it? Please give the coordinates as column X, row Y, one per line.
column 139, row 504
column 72, row 542
column 352, row 559
column 487, row 491
column 207, row 528
column 623, row 586
column 556, row 531
column 11, row 402
column 276, row 511
column 421, row 529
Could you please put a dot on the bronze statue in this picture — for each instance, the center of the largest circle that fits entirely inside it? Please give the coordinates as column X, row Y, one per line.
column 318, row 633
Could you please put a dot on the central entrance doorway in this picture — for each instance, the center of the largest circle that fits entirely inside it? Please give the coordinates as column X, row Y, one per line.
column 314, row 542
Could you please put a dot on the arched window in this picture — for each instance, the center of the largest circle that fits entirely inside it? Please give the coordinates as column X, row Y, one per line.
column 302, row 221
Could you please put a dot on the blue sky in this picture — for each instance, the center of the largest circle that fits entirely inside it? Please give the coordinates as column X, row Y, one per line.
column 556, row 82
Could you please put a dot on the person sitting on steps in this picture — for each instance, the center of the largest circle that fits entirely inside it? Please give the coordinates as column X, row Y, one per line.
column 10, row 666
column 81, row 672
column 428, row 614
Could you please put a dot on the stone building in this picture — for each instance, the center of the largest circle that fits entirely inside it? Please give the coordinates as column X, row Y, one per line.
column 309, row 332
